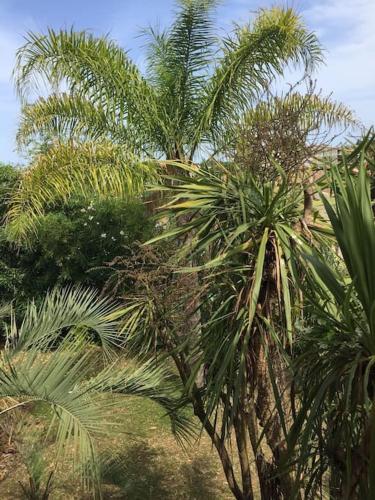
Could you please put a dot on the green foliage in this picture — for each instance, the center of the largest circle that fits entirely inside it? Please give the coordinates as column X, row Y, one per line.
column 334, row 428
column 196, row 87
column 241, row 233
column 87, row 171
column 49, row 358
column 10, row 274
column 74, row 243
column 193, row 87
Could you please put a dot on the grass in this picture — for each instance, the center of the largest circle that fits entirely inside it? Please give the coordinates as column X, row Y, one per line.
column 148, row 462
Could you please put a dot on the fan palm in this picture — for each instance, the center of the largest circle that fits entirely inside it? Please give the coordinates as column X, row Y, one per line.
column 47, row 359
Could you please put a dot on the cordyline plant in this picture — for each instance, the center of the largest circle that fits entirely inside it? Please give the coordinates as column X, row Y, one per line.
column 332, row 438
column 236, row 236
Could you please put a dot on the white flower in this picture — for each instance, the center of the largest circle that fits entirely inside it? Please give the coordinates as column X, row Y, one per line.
column 113, row 238
column 122, row 232
column 83, row 210
column 85, row 223
column 91, row 217
column 97, row 223
column 103, row 235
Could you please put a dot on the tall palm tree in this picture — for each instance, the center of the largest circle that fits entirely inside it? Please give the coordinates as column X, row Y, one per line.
column 195, row 88
column 48, row 359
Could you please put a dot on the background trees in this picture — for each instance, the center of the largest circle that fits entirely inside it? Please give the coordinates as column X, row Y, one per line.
column 72, row 243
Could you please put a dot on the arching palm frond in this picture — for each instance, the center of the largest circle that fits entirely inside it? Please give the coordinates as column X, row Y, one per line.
column 94, row 69
column 179, row 59
column 46, row 360
column 78, row 309
column 313, row 111
column 54, row 380
column 73, row 117
column 151, row 380
column 251, row 60
column 86, row 170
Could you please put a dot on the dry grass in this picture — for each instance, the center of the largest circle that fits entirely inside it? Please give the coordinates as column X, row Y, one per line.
column 150, row 464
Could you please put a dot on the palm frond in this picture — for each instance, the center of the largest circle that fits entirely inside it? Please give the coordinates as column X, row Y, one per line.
column 67, row 117
column 178, row 59
column 251, row 59
column 93, row 69
column 47, row 359
column 86, row 170
column 313, row 110
column 71, row 308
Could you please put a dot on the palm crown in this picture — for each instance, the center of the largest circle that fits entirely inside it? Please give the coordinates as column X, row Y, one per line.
column 194, row 85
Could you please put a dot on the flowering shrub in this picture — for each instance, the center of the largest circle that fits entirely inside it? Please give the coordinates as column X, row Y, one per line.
column 74, row 243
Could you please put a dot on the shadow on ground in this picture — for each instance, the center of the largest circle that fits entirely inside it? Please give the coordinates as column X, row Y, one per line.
column 145, row 473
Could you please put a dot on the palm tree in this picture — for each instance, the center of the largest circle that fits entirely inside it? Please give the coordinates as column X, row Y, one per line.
column 193, row 86
column 194, row 89
column 48, row 359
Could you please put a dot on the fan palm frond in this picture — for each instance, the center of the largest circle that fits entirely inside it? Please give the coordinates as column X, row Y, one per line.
column 48, row 360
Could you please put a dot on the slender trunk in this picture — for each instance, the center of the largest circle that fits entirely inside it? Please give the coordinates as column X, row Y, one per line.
column 276, row 485
column 199, row 411
column 264, row 467
column 243, row 454
column 222, row 451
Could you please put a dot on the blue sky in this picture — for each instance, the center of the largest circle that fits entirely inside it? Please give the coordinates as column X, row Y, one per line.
column 345, row 27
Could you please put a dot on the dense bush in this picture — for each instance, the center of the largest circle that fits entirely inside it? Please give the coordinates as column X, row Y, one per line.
column 72, row 244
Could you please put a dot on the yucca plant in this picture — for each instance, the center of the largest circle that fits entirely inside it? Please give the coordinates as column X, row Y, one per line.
column 333, row 434
column 237, row 235
column 50, row 358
